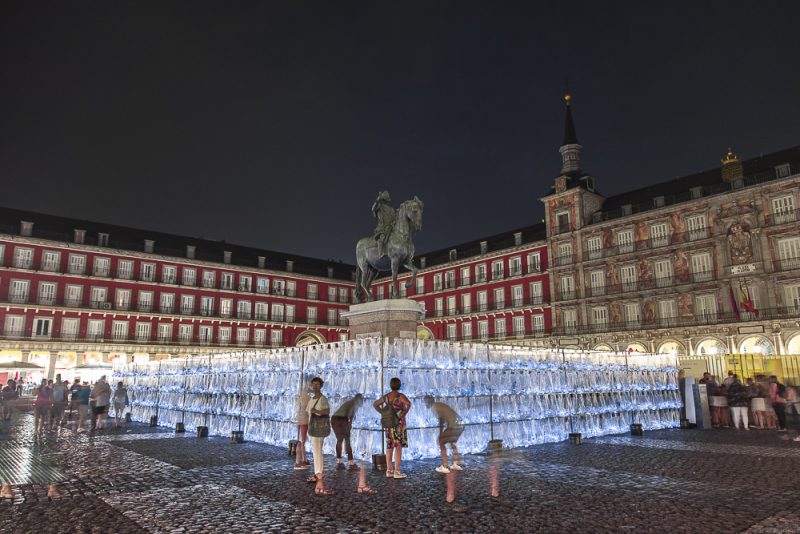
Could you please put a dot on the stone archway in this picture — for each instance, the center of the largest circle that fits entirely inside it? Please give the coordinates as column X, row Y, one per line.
column 635, row 346
column 603, row 346
column 710, row 346
column 793, row 344
column 424, row 333
column 671, row 346
column 756, row 345
column 310, row 337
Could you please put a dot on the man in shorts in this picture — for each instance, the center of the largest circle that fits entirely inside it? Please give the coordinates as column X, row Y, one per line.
column 59, row 398
column 102, row 398
column 83, row 405
column 450, row 429
column 342, row 424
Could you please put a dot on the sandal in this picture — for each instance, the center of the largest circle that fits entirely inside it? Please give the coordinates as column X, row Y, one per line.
column 323, row 491
column 389, row 473
column 398, row 474
column 367, row 490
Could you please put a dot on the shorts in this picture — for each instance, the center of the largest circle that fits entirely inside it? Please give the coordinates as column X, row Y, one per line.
column 450, row 435
column 57, row 409
column 41, row 409
column 83, row 410
column 99, row 410
column 119, row 409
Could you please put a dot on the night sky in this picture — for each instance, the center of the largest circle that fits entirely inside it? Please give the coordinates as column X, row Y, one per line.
column 275, row 124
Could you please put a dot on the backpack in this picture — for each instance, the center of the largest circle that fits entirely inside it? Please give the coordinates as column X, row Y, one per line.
column 389, row 418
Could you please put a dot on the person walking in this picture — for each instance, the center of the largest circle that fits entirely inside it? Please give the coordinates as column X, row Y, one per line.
column 59, row 394
column 396, row 436
column 342, row 424
column 120, row 403
column 84, row 394
column 318, row 415
column 41, row 405
column 739, row 403
column 102, row 398
column 74, row 396
column 301, row 462
column 777, row 394
column 450, row 429
column 8, row 398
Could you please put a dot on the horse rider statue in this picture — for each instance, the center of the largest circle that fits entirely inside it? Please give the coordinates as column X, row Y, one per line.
column 390, row 246
column 383, row 211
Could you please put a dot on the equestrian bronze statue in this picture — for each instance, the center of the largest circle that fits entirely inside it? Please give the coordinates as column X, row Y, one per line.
column 390, row 246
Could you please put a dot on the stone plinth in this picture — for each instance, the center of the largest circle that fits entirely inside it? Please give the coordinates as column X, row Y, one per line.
column 389, row 318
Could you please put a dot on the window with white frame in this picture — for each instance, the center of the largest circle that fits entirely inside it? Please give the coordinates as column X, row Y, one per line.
column 564, row 253
column 663, row 272
column 466, row 330
column 96, row 328
column 597, row 282
column 659, row 235
column 224, row 335
column 783, row 209
column 311, row 315
column 246, row 283
column 480, row 273
column 500, row 328
column 209, row 279
column 483, row 300
column 791, row 294
column 69, row 328
column 379, row 292
column 563, row 221
column 450, row 279
column 76, row 264
column 243, row 309
column 165, row 332
column 628, row 276
column 517, row 296
column 23, row 258
column 47, row 293
column 600, row 316
column 145, row 301
column 483, row 330
column 102, row 266
column 403, row 290
column 438, row 307
column 73, row 295
column 119, row 330
column 278, row 312
column 187, row 304
column 499, row 295
column 451, row 305
column 789, row 253
column 515, row 265
column 14, row 326
column 311, row 291
column 19, row 291
column 701, row 267
column 534, row 260
column 566, row 286
column 51, row 261
column 331, row 316
column 2, row 254
column 466, row 303
column 537, row 326
column 332, row 294
column 696, row 227
column 452, row 331
column 189, row 276
column 705, row 307
column 125, row 269
column 226, row 281
column 276, row 338
column 633, row 316
column 225, row 307
column 185, row 333
column 569, row 319
column 98, row 297
column 147, row 272
column 537, row 296
column 465, row 276
column 420, row 285
column 143, row 331
column 167, row 302
column 291, row 289
column 122, row 298
column 783, row 171
column 262, row 285
column 242, row 335
column 259, row 336
column 102, row 239
column 625, row 241
column 519, row 326
column 262, row 311
column 594, row 247
column 437, row 282
column 42, row 327
column 169, row 274
column 290, row 313
column 344, row 295
column 205, row 334
column 497, row 270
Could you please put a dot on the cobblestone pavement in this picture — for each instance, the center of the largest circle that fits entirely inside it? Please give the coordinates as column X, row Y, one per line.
column 142, row 479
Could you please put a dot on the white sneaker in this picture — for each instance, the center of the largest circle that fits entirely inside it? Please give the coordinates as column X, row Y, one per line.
column 442, row 469
column 796, row 438
column 456, row 467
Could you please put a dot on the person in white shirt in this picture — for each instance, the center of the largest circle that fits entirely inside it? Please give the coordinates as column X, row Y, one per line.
column 318, row 407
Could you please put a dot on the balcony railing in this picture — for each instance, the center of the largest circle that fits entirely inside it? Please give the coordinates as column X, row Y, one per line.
column 567, row 259
column 781, row 217
column 18, row 297
column 787, row 264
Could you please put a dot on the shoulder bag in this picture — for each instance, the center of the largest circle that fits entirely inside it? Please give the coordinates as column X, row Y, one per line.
column 389, row 417
column 320, row 425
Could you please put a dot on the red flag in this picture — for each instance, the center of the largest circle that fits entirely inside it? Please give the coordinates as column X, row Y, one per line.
column 746, row 301
column 733, row 303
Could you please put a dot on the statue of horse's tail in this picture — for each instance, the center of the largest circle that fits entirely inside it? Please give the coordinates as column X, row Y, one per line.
column 359, row 283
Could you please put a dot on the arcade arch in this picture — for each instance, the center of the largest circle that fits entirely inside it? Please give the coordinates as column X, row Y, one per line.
column 756, row 345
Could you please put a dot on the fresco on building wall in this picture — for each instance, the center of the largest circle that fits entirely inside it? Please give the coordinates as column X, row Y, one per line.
column 681, row 266
column 645, row 274
column 641, row 234
column 676, row 227
column 608, row 239
column 648, row 311
column 611, row 272
column 685, row 306
column 616, row 314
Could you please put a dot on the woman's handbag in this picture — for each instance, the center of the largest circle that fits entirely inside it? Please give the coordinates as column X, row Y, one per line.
column 389, row 417
column 320, row 425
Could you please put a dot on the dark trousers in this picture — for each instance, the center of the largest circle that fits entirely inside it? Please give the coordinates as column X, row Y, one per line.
column 780, row 411
column 341, row 429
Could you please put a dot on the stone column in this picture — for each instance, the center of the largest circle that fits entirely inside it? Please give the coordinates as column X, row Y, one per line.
column 388, row 318
column 51, row 365
column 731, row 344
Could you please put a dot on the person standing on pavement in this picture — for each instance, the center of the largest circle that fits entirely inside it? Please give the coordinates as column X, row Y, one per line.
column 397, row 437
column 729, row 379
column 74, row 396
column 120, row 403
column 318, row 407
column 84, row 394
column 739, row 403
column 301, row 462
column 342, row 425
column 8, row 398
column 777, row 394
column 450, row 429
column 102, row 398
column 59, row 394
column 41, row 405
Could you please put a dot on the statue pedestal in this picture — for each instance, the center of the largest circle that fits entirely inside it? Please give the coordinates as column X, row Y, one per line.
column 388, row 318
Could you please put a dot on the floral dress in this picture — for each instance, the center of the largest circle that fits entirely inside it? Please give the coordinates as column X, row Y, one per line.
column 397, row 436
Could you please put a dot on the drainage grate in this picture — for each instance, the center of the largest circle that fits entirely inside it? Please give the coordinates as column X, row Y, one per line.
column 22, row 466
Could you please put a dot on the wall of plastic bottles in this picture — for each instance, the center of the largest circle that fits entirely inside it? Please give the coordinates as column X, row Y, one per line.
column 521, row 395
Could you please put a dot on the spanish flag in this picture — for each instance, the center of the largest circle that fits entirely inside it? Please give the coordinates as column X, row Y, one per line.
column 746, row 301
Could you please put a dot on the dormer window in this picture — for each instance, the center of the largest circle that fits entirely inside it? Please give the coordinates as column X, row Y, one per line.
column 782, row 171
column 330, row 272
column 422, row 262
column 484, row 247
column 191, row 250
column 262, row 262
column 517, row 239
column 658, row 202
column 626, row 209
column 79, row 236
column 696, row 192
column 102, row 240
column 26, row 228
column 289, row 266
column 226, row 256
column 453, row 254
column 149, row 245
